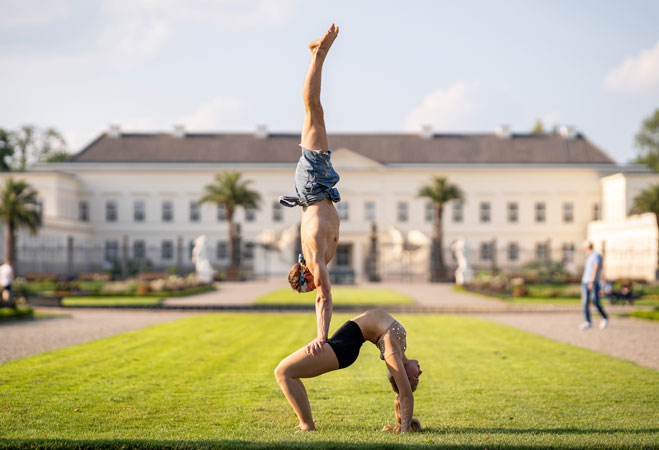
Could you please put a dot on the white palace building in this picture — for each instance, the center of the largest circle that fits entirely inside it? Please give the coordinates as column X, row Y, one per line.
column 527, row 197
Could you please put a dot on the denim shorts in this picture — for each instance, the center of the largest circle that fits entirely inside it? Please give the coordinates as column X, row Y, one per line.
column 314, row 180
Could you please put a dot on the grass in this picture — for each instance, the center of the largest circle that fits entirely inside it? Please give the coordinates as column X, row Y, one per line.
column 21, row 312
column 340, row 296
column 111, row 301
column 207, row 382
column 650, row 315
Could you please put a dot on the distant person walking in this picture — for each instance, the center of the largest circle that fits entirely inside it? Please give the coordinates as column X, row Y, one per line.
column 6, row 279
column 590, row 288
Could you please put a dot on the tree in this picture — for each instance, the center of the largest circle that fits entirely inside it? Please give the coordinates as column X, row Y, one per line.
column 439, row 192
column 647, row 201
column 538, row 128
column 6, row 149
column 230, row 192
column 19, row 208
column 647, row 142
column 57, row 156
column 34, row 144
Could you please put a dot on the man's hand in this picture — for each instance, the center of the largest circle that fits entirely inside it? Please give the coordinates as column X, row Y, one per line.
column 315, row 347
column 590, row 286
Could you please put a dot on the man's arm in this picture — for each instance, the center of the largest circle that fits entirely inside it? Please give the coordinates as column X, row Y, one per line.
column 591, row 283
column 323, row 304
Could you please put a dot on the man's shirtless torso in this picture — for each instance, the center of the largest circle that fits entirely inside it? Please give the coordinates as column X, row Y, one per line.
column 319, row 230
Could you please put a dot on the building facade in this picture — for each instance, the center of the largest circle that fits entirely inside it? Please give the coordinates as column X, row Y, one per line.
column 130, row 196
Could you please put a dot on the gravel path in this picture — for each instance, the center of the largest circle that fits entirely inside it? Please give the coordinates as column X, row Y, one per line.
column 626, row 338
column 23, row 338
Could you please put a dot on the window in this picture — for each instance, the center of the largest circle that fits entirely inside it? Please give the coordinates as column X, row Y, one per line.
column 110, row 211
column 597, row 214
column 458, row 206
column 277, row 212
column 139, row 211
column 343, row 209
column 568, row 212
column 221, row 213
column 369, row 211
column 250, row 214
column 486, row 251
column 343, row 255
column 167, row 211
column 167, row 250
column 513, row 251
column 194, row 211
column 568, row 252
column 429, row 211
column 39, row 207
column 540, row 212
column 513, row 210
column 249, row 250
column 111, row 251
column 221, row 251
column 402, row 212
column 485, row 212
column 139, row 250
column 83, row 211
column 542, row 251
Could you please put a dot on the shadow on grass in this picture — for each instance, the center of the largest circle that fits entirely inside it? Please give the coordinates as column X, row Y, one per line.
column 432, row 441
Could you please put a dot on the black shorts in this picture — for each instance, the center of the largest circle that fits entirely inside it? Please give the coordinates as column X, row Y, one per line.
column 346, row 343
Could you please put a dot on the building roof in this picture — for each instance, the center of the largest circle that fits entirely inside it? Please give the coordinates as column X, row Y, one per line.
column 383, row 148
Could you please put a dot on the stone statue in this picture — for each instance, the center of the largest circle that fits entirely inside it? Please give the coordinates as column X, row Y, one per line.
column 464, row 273
column 202, row 266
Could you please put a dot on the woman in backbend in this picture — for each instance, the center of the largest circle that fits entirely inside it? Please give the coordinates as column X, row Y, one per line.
column 340, row 351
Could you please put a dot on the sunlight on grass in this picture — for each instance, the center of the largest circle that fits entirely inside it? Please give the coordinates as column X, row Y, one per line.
column 340, row 296
column 207, row 381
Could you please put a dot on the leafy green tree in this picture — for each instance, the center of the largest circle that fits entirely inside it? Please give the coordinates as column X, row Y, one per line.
column 58, row 156
column 538, row 128
column 34, row 144
column 647, row 142
column 6, row 149
column 230, row 192
column 439, row 192
column 647, row 201
column 19, row 208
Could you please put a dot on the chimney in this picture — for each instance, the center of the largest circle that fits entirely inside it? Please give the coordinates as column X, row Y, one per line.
column 503, row 132
column 568, row 131
column 426, row 132
column 114, row 131
column 261, row 132
column 179, row 130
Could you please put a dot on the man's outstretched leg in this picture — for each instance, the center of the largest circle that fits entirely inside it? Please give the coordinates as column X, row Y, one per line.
column 314, row 136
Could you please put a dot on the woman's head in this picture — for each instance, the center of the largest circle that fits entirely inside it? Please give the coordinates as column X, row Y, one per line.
column 300, row 278
column 413, row 370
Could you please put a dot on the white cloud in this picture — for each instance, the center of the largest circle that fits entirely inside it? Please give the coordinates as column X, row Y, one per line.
column 134, row 39
column 23, row 13
column 636, row 75
column 221, row 113
column 449, row 109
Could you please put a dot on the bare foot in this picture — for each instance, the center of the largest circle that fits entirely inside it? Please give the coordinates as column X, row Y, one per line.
column 305, row 428
column 322, row 45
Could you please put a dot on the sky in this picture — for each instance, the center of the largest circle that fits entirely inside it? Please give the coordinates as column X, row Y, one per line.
column 228, row 65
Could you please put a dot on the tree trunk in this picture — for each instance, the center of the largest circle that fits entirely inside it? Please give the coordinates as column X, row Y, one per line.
column 438, row 269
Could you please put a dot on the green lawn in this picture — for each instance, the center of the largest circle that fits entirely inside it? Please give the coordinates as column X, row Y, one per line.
column 650, row 315
column 21, row 312
column 207, row 381
column 340, row 296
column 111, row 301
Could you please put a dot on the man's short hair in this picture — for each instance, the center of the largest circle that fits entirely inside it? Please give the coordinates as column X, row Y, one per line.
column 294, row 277
column 588, row 244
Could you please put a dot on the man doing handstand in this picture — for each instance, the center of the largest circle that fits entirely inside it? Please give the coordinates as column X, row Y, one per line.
column 314, row 184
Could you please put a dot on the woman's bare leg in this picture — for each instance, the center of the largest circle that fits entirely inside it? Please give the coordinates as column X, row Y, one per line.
column 314, row 136
column 302, row 365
